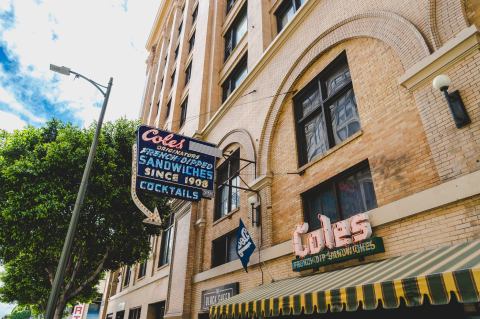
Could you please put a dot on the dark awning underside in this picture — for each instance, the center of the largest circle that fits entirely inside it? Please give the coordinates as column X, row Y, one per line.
column 434, row 274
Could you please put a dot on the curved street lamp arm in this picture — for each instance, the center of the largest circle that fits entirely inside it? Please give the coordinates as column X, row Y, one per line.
column 97, row 85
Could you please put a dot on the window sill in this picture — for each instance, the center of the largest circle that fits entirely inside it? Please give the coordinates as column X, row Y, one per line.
column 318, row 158
column 162, row 267
column 228, row 216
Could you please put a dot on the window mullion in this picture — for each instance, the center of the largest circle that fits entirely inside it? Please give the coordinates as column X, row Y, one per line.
column 340, row 92
column 327, row 118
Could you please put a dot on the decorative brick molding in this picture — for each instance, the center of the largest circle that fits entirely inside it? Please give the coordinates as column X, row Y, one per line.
column 402, row 36
column 241, row 137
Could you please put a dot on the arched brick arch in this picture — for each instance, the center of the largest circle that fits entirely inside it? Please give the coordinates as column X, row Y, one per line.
column 397, row 32
column 241, row 137
column 432, row 25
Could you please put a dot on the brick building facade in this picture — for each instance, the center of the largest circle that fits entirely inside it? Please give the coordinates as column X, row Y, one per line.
column 331, row 105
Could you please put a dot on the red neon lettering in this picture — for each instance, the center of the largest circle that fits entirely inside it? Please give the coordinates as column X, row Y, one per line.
column 168, row 141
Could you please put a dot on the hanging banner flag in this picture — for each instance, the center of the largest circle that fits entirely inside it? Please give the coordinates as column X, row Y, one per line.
column 175, row 165
column 245, row 245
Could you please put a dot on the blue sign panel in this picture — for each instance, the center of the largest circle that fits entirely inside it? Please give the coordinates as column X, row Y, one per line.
column 174, row 165
column 245, row 245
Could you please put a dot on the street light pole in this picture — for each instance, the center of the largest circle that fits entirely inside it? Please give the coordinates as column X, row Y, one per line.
column 67, row 246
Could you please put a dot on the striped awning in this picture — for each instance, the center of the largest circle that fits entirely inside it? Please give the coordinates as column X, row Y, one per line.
column 434, row 274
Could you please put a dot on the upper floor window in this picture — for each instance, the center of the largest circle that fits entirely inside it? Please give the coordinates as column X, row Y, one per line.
column 169, row 106
column 175, row 53
column 195, row 14
column 134, row 313
column 183, row 111
column 286, row 11
column 142, row 269
column 191, row 42
column 235, row 78
column 224, row 249
column 188, row 73
column 167, row 242
column 180, row 26
column 341, row 197
column 326, row 111
column 126, row 278
column 230, row 4
column 236, row 31
column 172, row 77
column 228, row 195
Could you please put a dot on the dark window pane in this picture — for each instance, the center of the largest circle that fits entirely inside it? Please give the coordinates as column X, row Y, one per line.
column 315, row 136
column 166, row 247
column 311, row 102
column 126, row 280
column 345, row 119
column 337, row 80
column 286, row 16
column 224, row 201
column 142, row 269
column 356, row 193
column 194, row 14
column 191, row 43
column 240, row 27
column 341, row 197
column 169, row 105
column 322, row 202
column 188, row 73
column 219, row 250
column 227, row 195
column 175, row 53
column 172, row 77
column 180, row 27
column 235, row 193
column 286, row 11
column 232, row 247
column 236, row 32
column 224, row 249
column 230, row 4
column 236, row 78
column 183, row 114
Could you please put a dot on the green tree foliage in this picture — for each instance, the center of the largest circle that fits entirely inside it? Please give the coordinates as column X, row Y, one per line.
column 20, row 312
column 40, row 173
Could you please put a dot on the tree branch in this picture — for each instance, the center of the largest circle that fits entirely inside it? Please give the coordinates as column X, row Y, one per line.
column 75, row 269
column 50, row 275
column 90, row 279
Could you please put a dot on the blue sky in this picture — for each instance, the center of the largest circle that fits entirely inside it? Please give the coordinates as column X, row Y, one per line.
column 99, row 39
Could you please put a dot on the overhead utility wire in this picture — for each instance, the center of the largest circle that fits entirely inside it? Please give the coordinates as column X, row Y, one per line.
column 189, row 118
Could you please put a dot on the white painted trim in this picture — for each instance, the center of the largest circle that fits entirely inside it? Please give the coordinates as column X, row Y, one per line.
column 465, row 42
column 437, row 196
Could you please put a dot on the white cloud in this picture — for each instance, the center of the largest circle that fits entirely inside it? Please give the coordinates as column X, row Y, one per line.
column 10, row 122
column 96, row 38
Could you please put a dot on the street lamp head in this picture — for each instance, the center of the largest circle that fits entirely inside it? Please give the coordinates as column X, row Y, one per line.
column 60, row 69
column 441, row 82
